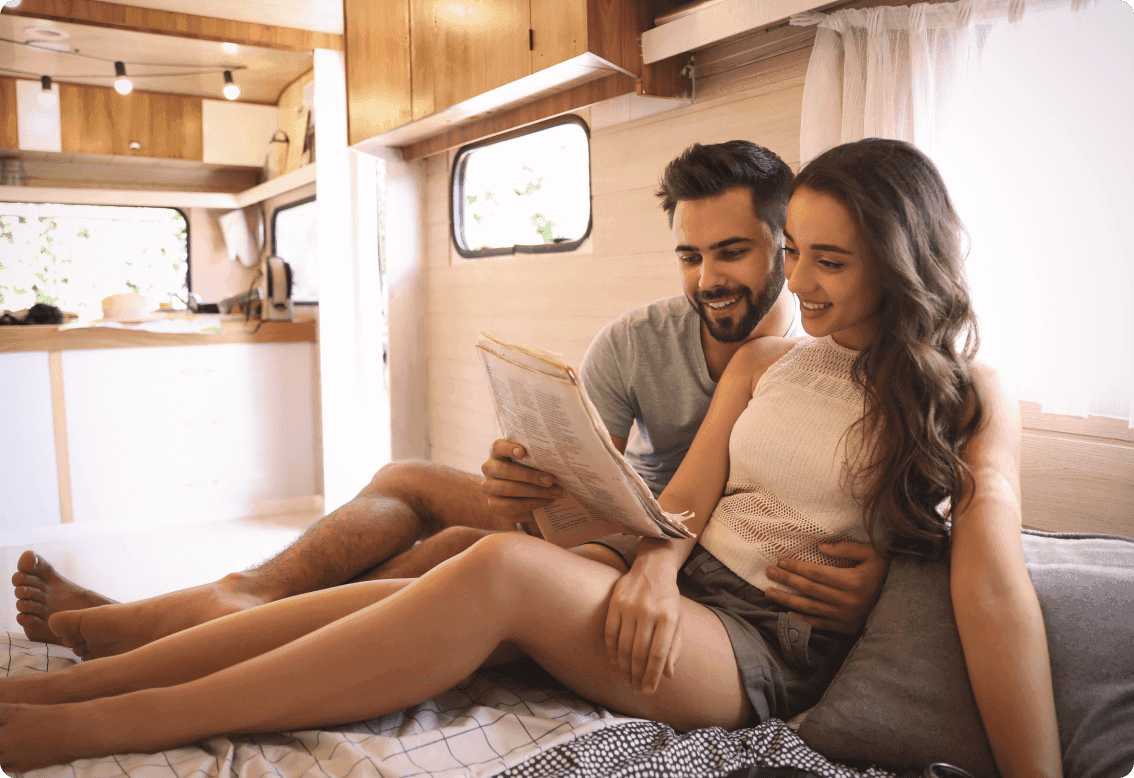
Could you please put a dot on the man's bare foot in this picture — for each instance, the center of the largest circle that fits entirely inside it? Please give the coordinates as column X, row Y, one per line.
column 41, row 592
column 115, row 629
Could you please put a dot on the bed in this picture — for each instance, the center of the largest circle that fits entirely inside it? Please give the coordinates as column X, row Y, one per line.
column 900, row 701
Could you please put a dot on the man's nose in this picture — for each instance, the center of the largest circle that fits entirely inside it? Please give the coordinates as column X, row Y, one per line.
column 712, row 276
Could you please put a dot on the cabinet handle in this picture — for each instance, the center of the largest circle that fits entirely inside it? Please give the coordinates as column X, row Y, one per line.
column 531, row 39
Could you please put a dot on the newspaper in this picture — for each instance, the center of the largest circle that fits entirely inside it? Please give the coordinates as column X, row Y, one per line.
column 542, row 406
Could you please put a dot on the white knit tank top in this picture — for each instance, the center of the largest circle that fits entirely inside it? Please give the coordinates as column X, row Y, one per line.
column 787, row 489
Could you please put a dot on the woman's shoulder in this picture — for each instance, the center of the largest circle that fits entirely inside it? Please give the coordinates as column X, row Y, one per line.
column 757, row 355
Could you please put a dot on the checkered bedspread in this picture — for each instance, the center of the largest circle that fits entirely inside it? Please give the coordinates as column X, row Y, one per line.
column 492, row 723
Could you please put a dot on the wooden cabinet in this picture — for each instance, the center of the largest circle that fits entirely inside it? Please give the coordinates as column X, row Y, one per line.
column 412, row 59
column 461, row 50
column 98, row 120
column 9, row 127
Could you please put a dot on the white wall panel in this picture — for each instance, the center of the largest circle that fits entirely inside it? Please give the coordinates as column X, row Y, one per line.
column 188, row 432
column 29, row 481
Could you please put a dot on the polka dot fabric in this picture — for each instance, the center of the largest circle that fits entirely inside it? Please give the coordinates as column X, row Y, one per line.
column 648, row 749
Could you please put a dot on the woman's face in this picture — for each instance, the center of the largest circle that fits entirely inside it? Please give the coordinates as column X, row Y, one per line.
column 829, row 268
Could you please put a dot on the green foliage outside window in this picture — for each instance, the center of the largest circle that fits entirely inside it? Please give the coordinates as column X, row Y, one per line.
column 72, row 256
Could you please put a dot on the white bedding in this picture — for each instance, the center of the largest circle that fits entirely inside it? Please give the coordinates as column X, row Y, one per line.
column 487, row 723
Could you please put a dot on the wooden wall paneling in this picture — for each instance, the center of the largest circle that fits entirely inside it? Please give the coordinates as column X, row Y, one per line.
column 129, row 17
column 559, row 31
column 529, row 113
column 9, row 127
column 1074, row 485
column 1095, row 426
column 377, row 36
column 85, row 117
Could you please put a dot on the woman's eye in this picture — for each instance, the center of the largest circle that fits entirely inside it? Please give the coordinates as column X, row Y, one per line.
column 789, row 251
column 830, row 265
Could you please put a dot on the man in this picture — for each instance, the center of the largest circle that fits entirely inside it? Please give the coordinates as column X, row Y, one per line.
column 652, row 370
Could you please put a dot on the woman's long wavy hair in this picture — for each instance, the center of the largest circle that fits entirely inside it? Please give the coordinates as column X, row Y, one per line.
column 921, row 407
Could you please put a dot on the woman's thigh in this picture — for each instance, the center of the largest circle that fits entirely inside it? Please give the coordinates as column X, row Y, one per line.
column 560, row 623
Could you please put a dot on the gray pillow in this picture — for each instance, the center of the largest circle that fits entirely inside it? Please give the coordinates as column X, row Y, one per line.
column 902, row 698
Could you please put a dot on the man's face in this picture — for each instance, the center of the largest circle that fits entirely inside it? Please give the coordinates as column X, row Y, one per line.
column 731, row 263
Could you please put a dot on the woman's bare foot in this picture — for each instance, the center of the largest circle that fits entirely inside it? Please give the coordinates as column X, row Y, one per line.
column 42, row 592
column 115, row 629
column 34, row 736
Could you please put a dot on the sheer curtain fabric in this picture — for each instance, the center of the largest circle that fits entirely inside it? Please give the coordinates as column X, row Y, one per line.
column 1026, row 111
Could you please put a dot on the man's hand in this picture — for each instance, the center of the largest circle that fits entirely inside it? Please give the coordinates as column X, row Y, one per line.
column 643, row 627
column 832, row 598
column 513, row 490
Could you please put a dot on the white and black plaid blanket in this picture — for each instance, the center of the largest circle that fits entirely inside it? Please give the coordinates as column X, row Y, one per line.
column 495, row 722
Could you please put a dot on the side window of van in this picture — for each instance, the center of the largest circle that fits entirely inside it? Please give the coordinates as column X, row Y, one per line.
column 526, row 191
column 72, row 256
column 295, row 240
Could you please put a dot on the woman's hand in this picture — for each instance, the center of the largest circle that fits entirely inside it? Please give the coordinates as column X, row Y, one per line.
column 643, row 624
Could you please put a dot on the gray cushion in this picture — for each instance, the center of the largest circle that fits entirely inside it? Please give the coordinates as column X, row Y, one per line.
column 903, row 700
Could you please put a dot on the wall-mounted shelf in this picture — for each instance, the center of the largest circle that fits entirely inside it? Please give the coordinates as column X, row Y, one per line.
column 277, row 186
column 714, row 21
column 167, row 199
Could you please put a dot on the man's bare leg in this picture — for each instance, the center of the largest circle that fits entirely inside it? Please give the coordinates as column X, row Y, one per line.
column 405, row 502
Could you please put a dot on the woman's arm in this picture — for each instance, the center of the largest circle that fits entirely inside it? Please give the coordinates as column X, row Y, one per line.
column 998, row 614
column 643, row 618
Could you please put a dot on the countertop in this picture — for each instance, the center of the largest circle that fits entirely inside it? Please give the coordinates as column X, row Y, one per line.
column 224, row 328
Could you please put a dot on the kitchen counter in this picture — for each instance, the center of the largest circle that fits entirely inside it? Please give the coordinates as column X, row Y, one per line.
column 233, row 329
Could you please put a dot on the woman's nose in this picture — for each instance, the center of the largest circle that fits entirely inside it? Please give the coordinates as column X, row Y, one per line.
column 798, row 276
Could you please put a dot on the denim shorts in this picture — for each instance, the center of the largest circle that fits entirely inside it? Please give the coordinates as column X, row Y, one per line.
column 784, row 663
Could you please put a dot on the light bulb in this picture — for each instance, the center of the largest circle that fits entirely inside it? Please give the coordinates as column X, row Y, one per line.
column 231, row 90
column 47, row 96
column 230, row 48
column 122, row 85
column 12, row 3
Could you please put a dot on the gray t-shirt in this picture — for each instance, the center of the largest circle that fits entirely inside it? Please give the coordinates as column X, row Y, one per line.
column 646, row 374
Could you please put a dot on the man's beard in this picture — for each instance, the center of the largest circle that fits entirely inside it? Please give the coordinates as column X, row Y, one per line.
column 733, row 330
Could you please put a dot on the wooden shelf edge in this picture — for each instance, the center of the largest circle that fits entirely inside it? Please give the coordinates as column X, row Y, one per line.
column 277, row 186
column 158, row 198
column 712, row 23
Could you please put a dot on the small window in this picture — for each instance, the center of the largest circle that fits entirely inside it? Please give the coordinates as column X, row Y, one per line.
column 72, row 256
column 295, row 239
column 528, row 191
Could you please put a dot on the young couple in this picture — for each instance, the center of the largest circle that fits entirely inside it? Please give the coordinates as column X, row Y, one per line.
column 880, row 427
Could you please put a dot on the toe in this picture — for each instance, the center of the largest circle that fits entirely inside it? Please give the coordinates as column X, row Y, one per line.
column 32, row 608
column 30, row 593
column 30, row 562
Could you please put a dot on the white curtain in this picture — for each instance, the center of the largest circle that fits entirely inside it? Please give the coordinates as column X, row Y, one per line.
column 1027, row 112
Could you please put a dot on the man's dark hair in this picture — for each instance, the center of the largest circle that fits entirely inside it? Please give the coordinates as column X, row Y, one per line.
column 707, row 171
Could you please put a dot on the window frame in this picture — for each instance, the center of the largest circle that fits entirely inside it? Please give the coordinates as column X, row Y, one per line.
column 457, row 192
column 275, row 214
column 180, row 212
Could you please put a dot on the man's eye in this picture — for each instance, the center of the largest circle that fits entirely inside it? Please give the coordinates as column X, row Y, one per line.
column 732, row 253
column 689, row 259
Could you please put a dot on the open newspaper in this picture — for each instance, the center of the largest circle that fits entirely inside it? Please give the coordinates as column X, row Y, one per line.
column 541, row 405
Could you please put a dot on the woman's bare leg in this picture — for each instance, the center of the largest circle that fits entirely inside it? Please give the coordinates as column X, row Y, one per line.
column 507, row 589
column 195, row 652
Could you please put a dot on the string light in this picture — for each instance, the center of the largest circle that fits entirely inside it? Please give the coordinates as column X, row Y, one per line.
column 231, row 89
column 122, row 85
column 47, row 96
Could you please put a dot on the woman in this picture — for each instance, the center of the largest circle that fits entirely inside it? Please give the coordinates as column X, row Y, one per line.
column 873, row 252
